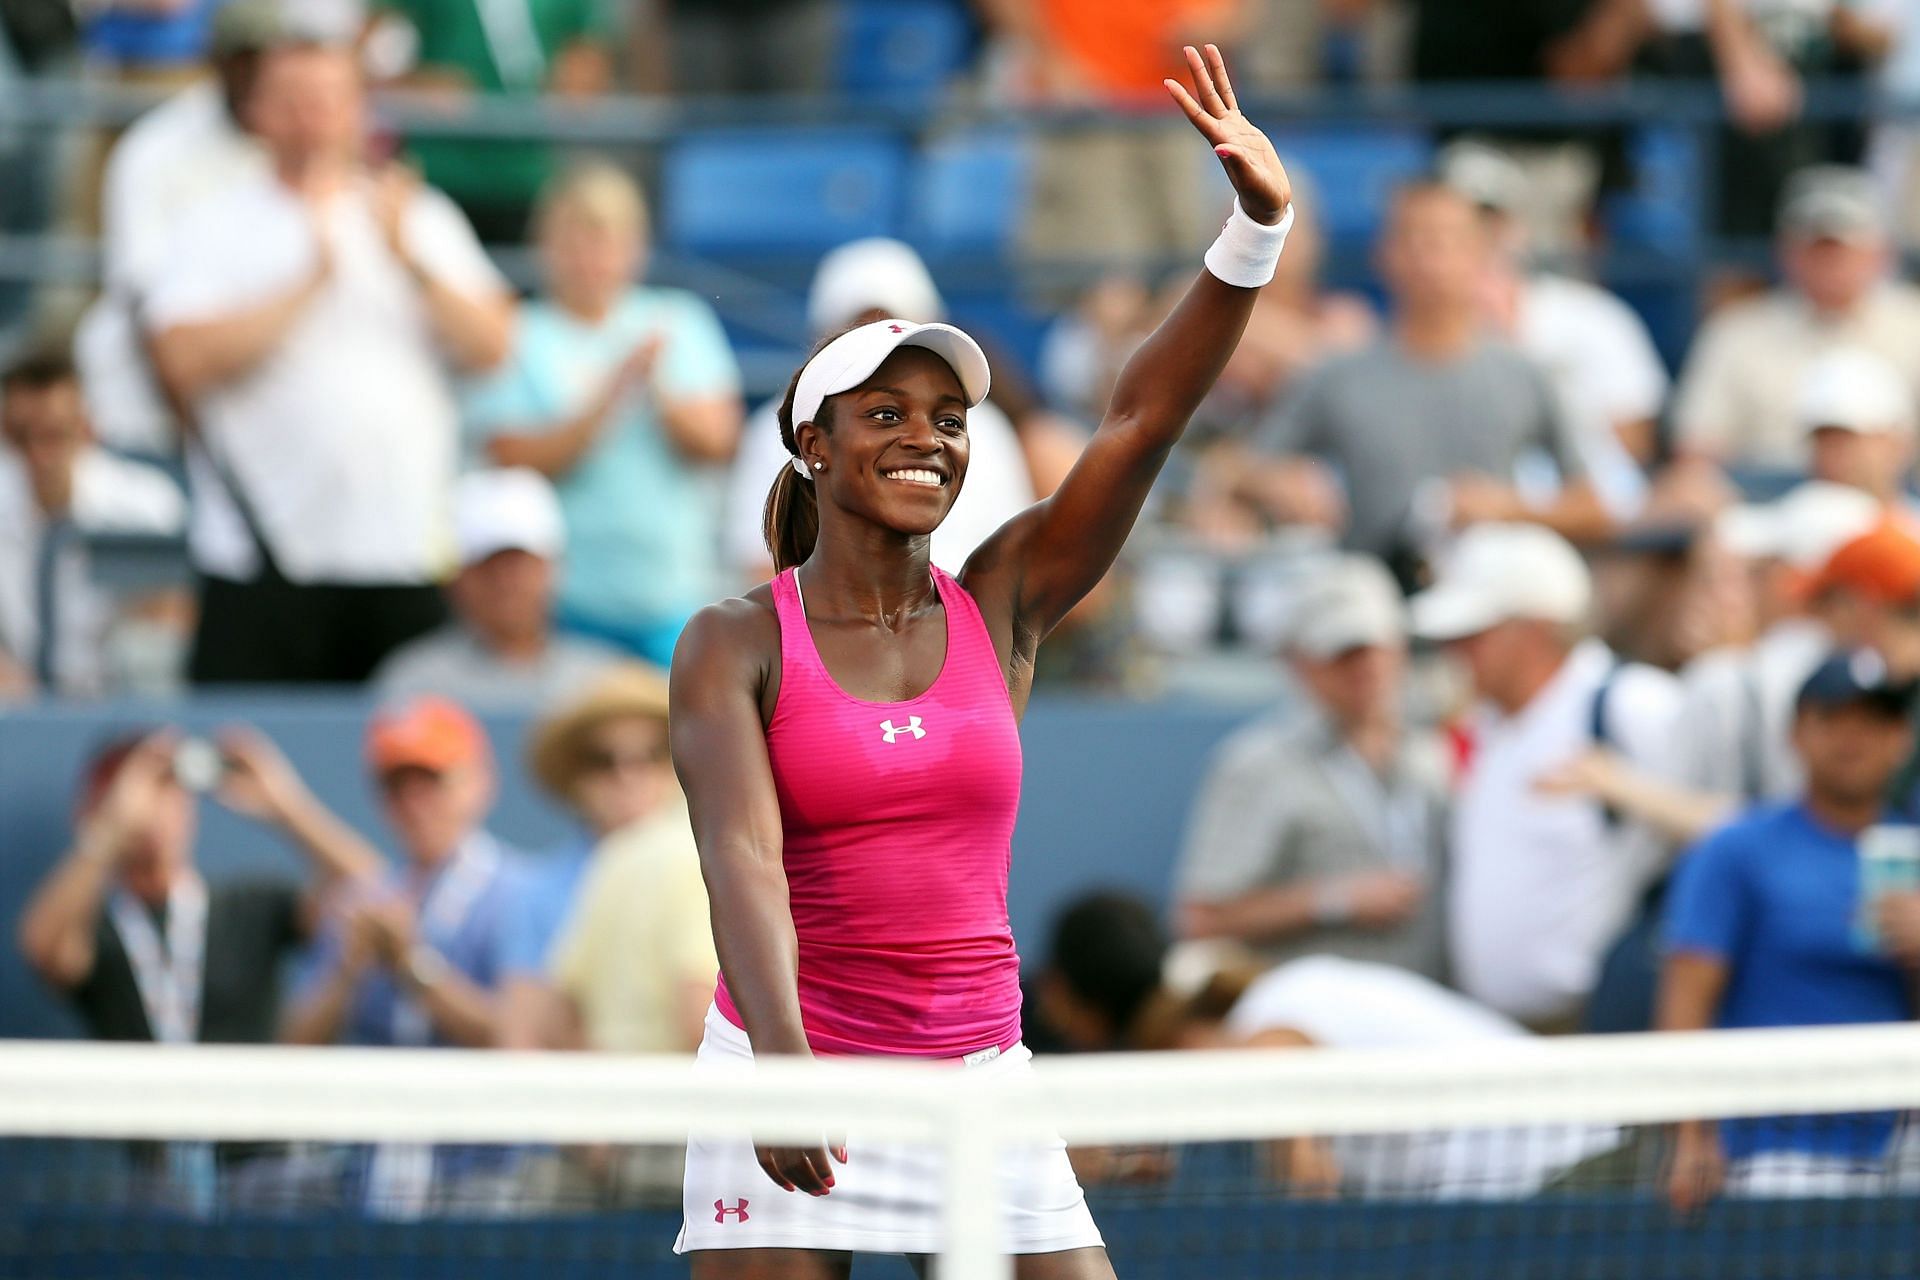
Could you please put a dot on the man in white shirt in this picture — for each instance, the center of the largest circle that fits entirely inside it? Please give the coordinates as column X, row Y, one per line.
column 308, row 318
column 190, row 147
column 56, row 488
column 1540, row 884
column 1739, row 396
column 871, row 280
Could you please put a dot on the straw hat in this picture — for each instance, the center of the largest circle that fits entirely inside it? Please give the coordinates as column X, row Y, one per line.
column 631, row 689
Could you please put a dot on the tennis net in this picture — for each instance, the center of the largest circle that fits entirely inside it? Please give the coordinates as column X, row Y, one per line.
column 1575, row 1158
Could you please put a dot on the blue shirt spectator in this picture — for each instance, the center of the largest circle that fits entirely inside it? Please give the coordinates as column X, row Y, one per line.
column 1762, row 932
column 1774, row 897
column 628, row 398
column 461, row 920
column 547, row 886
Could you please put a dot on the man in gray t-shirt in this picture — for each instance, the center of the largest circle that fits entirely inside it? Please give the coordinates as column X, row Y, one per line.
column 1439, row 424
column 501, row 652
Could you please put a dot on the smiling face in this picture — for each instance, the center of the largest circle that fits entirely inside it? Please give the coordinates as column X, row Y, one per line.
column 896, row 454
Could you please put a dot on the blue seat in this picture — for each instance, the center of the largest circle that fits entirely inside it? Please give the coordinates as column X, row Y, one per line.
column 1662, row 212
column 969, row 192
column 901, row 51
column 1353, row 171
column 771, row 192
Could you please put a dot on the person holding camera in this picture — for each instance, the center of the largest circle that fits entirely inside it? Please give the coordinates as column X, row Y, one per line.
column 129, row 930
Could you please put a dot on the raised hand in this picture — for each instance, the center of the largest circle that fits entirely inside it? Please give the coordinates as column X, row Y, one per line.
column 1258, row 177
column 258, row 781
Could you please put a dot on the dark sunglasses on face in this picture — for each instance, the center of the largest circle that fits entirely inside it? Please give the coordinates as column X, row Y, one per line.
column 596, row 760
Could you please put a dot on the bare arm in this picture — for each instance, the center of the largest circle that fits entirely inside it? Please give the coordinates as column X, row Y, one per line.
column 533, row 1016
column 467, row 1014
column 261, row 784
column 1372, row 900
column 719, row 672
column 58, row 927
column 703, row 430
column 196, row 357
column 1679, row 813
column 475, row 329
column 1691, row 986
column 1054, row 553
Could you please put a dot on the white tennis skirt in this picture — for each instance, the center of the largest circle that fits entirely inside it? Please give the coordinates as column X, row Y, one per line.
column 886, row 1198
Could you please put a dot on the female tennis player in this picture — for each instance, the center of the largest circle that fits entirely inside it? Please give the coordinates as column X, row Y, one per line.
column 847, row 738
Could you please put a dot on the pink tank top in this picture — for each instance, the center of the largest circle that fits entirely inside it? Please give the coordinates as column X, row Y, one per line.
column 898, row 826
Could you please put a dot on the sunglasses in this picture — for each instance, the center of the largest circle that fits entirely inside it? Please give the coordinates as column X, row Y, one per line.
column 597, row 760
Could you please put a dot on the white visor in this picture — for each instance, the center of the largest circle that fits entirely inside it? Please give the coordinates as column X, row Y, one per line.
column 851, row 359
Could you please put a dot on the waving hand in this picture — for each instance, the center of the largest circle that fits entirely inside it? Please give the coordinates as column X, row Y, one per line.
column 1255, row 170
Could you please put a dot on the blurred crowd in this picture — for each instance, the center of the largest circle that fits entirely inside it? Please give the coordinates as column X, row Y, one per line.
column 1596, row 675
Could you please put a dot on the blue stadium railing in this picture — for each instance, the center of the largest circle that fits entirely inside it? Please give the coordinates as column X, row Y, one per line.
column 949, row 173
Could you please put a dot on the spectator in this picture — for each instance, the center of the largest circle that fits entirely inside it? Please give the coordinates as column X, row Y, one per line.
column 1829, row 571
column 1320, row 831
column 35, row 40
column 1592, row 346
column 1333, row 1003
column 1760, row 51
column 1437, row 423
column 856, row 283
column 57, row 488
column 1117, row 194
column 627, row 398
column 1579, row 42
column 304, row 319
column 740, row 47
column 521, row 49
column 1540, row 884
column 1087, row 345
column 501, row 651
column 1858, row 415
column 1102, row 978
column 192, row 146
column 414, row 958
column 1738, row 399
column 611, row 949
column 126, row 927
column 150, row 43
column 1761, row 932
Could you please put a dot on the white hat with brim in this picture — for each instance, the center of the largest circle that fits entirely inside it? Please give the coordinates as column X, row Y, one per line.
column 876, row 274
column 1803, row 527
column 852, row 358
column 1502, row 572
column 1350, row 603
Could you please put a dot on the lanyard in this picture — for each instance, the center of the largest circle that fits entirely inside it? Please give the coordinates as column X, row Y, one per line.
column 445, row 908
column 1393, row 817
column 168, row 977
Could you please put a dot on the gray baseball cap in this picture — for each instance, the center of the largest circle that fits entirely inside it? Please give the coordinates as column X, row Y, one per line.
column 1349, row 601
column 1833, row 202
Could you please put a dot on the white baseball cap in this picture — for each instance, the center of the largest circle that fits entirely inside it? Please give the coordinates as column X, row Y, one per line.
column 851, row 358
column 1499, row 572
column 1803, row 527
column 875, row 274
column 1350, row 601
column 514, row 509
column 1856, row 390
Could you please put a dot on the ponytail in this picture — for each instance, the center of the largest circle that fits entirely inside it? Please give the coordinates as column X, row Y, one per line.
column 791, row 521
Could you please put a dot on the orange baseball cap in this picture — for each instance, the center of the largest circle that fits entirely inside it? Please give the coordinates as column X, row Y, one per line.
column 1882, row 564
column 425, row 733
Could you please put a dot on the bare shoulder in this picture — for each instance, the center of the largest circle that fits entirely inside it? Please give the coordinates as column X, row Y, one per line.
column 740, row 629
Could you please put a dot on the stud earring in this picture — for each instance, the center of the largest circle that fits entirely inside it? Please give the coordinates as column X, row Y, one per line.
column 819, row 466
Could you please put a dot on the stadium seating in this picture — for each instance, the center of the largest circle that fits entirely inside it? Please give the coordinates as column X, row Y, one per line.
column 766, row 192
column 901, row 52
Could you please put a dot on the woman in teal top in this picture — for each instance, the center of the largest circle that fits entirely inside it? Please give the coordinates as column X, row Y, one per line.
column 628, row 398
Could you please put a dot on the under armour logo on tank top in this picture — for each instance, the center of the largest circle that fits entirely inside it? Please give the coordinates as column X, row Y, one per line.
column 892, row 731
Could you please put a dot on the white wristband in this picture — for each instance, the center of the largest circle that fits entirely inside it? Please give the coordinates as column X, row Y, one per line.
column 1247, row 252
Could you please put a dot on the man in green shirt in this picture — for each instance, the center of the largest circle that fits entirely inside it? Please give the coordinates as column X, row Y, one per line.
column 517, row 47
